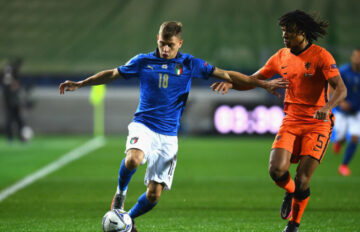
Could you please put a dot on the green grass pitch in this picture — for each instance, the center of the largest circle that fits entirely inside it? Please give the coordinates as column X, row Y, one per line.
column 220, row 184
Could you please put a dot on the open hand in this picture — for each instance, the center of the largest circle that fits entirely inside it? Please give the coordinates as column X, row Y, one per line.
column 221, row 87
column 69, row 86
column 279, row 83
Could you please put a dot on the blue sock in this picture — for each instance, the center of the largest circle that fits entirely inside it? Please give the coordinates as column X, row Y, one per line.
column 141, row 207
column 124, row 176
column 350, row 151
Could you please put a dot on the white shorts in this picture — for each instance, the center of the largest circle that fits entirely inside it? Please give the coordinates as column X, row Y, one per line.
column 346, row 124
column 160, row 153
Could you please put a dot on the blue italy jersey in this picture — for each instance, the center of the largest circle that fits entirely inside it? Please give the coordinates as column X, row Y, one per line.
column 352, row 82
column 164, row 87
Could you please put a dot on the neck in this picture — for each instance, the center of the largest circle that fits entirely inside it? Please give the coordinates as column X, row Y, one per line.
column 302, row 45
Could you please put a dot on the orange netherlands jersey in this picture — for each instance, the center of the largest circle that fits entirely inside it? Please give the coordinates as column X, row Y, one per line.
column 307, row 73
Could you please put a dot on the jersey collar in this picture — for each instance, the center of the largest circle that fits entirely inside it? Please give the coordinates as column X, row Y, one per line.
column 298, row 53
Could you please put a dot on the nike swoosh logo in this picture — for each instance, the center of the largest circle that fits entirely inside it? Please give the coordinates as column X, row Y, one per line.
column 282, row 67
column 150, row 67
column 115, row 223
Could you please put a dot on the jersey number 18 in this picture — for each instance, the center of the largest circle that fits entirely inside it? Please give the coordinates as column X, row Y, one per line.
column 163, row 80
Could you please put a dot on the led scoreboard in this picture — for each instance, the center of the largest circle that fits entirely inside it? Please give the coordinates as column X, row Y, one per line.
column 241, row 120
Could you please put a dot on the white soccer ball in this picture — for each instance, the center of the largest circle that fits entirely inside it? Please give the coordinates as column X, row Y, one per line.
column 117, row 220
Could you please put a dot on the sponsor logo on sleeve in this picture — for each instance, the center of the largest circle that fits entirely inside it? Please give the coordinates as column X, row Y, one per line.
column 333, row 66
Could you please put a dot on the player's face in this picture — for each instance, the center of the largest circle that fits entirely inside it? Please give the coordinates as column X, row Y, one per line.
column 292, row 38
column 355, row 60
column 168, row 48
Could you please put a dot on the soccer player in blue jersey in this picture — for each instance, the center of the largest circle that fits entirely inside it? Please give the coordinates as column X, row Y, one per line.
column 165, row 80
column 347, row 115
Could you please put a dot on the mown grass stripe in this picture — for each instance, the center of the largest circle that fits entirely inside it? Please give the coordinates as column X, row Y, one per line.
column 67, row 158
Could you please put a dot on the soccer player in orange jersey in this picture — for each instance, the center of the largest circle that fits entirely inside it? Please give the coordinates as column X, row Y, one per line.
column 305, row 131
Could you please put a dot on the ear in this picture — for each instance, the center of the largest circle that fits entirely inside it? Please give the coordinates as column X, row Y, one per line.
column 180, row 43
column 157, row 37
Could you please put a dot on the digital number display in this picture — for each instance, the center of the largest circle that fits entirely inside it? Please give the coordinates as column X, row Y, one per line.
column 239, row 120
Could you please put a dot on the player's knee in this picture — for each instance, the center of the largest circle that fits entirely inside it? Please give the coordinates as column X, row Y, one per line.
column 276, row 172
column 134, row 159
column 302, row 182
column 153, row 196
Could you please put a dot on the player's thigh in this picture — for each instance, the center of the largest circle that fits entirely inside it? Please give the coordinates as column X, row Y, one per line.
column 162, row 162
column 314, row 143
column 279, row 161
column 283, row 147
column 139, row 142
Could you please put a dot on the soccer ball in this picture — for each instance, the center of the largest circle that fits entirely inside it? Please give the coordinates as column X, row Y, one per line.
column 117, row 220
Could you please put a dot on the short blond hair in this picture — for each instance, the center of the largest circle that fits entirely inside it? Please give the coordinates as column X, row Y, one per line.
column 171, row 28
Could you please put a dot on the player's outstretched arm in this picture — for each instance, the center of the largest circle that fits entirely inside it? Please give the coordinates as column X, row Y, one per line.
column 239, row 81
column 100, row 78
column 338, row 95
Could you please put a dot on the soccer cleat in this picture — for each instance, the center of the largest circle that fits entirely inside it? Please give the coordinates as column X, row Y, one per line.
column 133, row 226
column 285, row 211
column 344, row 170
column 336, row 148
column 118, row 201
column 292, row 227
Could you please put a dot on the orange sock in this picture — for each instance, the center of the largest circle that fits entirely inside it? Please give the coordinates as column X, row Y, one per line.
column 298, row 207
column 288, row 184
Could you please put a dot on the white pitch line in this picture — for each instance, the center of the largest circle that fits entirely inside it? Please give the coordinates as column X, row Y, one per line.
column 77, row 153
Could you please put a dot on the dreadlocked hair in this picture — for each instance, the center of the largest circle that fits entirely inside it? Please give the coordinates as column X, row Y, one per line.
column 303, row 22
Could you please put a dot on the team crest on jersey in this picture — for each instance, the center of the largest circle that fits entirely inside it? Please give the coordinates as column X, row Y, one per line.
column 134, row 140
column 307, row 66
column 178, row 69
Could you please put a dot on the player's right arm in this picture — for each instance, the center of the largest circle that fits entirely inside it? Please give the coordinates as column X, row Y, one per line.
column 100, row 78
column 269, row 70
column 223, row 87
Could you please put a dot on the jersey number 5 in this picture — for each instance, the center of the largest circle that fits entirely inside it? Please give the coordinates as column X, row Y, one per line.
column 163, row 80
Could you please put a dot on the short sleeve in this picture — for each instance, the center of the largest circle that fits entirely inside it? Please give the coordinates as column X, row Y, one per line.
column 271, row 66
column 329, row 68
column 201, row 69
column 131, row 68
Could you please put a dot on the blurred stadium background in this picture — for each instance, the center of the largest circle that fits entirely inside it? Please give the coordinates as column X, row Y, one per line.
column 59, row 40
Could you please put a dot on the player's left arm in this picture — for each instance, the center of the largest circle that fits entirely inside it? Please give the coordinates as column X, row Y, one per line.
column 237, row 78
column 338, row 95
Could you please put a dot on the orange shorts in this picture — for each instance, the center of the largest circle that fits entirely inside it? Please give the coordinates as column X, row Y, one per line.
column 303, row 138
